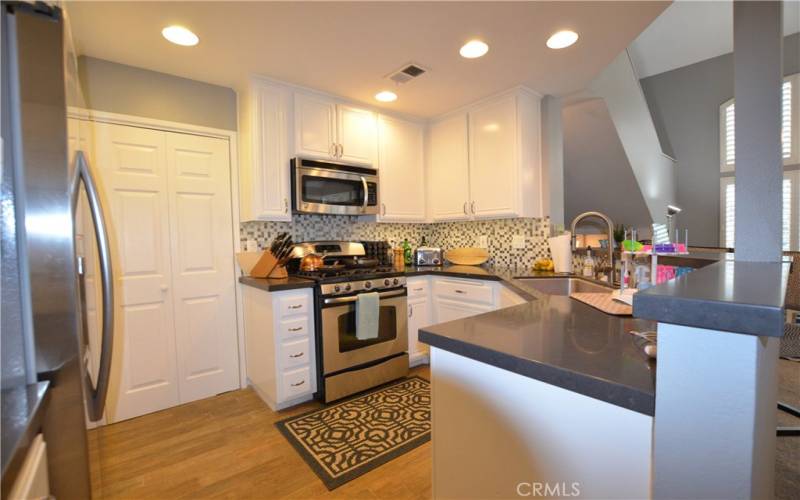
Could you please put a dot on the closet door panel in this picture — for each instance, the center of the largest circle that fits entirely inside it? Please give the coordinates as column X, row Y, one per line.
column 203, row 267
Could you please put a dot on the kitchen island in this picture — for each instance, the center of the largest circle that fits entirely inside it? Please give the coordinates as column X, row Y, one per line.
column 550, row 396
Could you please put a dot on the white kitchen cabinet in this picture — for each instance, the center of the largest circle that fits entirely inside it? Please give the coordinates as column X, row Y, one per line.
column 315, row 126
column 357, row 134
column 280, row 345
column 264, row 192
column 419, row 316
column 450, row 310
column 458, row 298
column 329, row 130
column 493, row 170
column 402, row 170
column 448, row 169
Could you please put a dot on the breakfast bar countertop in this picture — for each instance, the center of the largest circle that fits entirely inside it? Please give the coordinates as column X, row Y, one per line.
column 554, row 339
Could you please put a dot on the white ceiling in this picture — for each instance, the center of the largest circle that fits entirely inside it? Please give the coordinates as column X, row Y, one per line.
column 689, row 32
column 348, row 48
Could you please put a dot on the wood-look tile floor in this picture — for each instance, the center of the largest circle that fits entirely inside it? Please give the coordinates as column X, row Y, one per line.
column 228, row 447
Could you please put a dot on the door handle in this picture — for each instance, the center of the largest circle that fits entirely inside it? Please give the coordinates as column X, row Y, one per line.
column 341, row 150
column 299, row 354
column 97, row 394
column 366, row 193
column 383, row 206
column 286, row 205
column 410, row 310
column 382, row 295
column 465, row 208
column 472, row 205
column 332, row 150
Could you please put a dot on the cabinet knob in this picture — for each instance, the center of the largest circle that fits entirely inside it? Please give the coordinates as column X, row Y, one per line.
column 164, row 287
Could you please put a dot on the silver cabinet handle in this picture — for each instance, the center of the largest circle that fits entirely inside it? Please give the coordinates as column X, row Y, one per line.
column 473, row 207
column 418, row 289
column 332, row 150
column 296, row 355
column 366, row 193
column 97, row 395
column 299, row 383
column 341, row 150
column 296, row 329
column 410, row 310
column 465, row 208
column 383, row 206
column 345, row 300
column 286, row 205
column 460, row 291
column 296, row 306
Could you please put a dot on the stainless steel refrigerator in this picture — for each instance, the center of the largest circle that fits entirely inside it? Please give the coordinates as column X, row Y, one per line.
column 49, row 198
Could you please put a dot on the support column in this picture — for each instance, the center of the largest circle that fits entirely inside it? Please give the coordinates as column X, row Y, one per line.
column 758, row 77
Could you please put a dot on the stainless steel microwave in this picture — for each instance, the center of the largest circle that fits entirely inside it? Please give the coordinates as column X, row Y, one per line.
column 322, row 187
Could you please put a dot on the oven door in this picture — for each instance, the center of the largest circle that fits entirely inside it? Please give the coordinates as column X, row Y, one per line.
column 329, row 191
column 340, row 347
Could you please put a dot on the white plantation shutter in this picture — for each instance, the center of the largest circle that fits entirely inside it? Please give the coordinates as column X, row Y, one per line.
column 787, row 214
column 730, row 134
column 789, row 124
column 729, row 214
column 786, row 120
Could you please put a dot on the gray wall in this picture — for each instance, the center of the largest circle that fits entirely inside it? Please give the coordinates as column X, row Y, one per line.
column 685, row 106
column 597, row 174
column 117, row 88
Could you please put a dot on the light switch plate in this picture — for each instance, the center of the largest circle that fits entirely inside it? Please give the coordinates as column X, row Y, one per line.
column 483, row 241
column 518, row 241
column 251, row 246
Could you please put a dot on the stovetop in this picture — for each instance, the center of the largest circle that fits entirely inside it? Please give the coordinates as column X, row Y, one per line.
column 344, row 275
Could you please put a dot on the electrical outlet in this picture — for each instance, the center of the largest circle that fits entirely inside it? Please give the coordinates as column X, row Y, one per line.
column 518, row 241
column 483, row 241
column 251, row 246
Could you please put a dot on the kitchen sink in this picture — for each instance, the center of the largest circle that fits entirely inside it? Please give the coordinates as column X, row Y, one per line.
column 564, row 286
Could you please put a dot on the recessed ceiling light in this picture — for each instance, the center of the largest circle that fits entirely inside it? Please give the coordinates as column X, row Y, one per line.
column 386, row 96
column 562, row 39
column 180, row 35
column 473, row 49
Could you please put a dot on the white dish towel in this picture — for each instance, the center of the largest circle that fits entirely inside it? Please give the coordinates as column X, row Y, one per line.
column 367, row 315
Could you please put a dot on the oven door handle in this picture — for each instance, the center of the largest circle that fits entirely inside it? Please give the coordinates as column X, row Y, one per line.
column 353, row 298
column 366, row 193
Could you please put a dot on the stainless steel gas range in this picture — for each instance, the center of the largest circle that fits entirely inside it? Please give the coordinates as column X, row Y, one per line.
column 348, row 364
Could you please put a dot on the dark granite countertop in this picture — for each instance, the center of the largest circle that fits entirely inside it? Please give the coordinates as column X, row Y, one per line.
column 22, row 413
column 276, row 284
column 734, row 296
column 555, row 339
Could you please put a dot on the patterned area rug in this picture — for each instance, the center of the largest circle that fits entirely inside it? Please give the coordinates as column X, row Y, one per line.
column 347, row 439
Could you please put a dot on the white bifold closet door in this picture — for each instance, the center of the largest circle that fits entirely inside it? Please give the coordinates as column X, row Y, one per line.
column 168, row 197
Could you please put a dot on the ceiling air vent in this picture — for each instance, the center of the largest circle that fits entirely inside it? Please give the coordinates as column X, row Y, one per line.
column 406, row 73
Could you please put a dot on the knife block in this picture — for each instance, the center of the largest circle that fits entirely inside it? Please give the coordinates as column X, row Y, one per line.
column 264, row 265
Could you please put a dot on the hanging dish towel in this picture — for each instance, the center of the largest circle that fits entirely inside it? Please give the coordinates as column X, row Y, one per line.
column 367, row 315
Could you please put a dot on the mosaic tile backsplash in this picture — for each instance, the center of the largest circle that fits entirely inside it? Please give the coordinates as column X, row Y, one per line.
column 440, row 234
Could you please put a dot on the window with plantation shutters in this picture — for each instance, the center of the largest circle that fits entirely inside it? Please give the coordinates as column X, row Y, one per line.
column 790, row 227
column 790, row 139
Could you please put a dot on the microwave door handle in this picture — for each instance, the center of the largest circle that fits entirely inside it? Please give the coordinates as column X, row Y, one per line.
column 366, row 193
column 97, row 395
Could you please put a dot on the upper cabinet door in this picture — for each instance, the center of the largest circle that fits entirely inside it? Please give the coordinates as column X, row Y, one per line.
column 314, row 124
column 448, row 169
column 402, row 170
column 357, row 135
column 494, row 166
column 271, row 197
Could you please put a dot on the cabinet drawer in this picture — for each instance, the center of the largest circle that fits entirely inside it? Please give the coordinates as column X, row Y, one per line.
column 293, row 327
column 293, row 305
column 417, row 287
column 296, row 382
column 295, row 353
column 464, row 290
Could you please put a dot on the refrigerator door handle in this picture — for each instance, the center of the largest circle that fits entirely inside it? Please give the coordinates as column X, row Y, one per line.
column 97, row 394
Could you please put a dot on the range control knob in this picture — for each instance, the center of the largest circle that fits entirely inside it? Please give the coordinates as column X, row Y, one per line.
column 347, row 287
column 396, row 281
column 337, row 289
column 367, row 285
column 387, row 282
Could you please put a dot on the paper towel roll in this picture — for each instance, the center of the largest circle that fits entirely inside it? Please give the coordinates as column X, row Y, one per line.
column 561, row 251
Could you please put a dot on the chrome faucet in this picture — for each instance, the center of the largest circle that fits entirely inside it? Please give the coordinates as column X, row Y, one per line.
column 610, row 225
